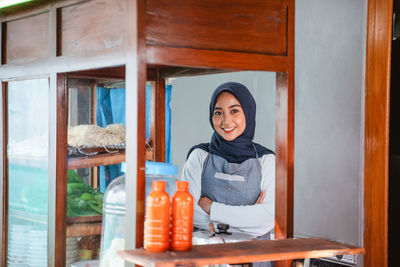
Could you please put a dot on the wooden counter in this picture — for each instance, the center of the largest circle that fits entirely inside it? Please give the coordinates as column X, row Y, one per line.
column 243, row 252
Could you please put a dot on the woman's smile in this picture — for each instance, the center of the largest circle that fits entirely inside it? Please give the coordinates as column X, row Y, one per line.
column 228, row 117
column 228, row 129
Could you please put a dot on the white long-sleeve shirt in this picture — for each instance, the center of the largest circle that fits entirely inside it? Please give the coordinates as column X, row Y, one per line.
column 255, row 220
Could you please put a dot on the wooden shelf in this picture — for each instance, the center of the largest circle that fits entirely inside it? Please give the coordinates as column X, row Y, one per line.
column 83, row 229
column 243, row 252
column 96, row 160
column 84, row 219
column 101, row 160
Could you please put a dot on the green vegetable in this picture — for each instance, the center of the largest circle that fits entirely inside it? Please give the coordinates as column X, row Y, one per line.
column 87, row 196
column 82, row 199
column 73, row 177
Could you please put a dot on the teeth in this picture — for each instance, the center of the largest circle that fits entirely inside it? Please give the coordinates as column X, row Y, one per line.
column 228, row 129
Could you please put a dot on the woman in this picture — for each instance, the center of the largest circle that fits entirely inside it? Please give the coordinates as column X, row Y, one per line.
column 232, row 179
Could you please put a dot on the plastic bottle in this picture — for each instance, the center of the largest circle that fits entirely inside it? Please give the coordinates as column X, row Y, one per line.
column 182, row 217
column 157, row 219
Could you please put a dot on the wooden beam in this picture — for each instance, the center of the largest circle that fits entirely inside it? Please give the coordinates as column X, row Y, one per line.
column 3, row 37
column 61, row 170
column 284, row 186
column 96, row 160
column 141, row 121
column 201, row 58
column 284, row 156
column 83, row 229
column 112, row 73
column 376, row 146
column 159, row 146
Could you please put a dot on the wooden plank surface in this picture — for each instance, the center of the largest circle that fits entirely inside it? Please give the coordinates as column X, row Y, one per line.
column 376, row 146
column 96, row 160
column 83, row 229
column 92, row 26
column 243, row 252
column 257, row 26
column 27, row 39
column 202, row 58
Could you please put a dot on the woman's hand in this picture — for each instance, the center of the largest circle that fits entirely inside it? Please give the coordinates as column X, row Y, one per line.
column 261, row 197
column 205, row 204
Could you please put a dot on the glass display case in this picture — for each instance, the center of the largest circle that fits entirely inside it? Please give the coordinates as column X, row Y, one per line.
column 96, row 147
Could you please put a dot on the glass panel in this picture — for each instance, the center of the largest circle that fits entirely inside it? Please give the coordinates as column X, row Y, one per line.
column 28, row 156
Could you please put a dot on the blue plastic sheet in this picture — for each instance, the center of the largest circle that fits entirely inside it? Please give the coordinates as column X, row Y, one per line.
column 148, row 111
column 110, row 109
column 168, row 151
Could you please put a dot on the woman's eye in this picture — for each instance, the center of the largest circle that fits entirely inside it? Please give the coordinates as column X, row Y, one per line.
column 217, row 113
column 235, row 111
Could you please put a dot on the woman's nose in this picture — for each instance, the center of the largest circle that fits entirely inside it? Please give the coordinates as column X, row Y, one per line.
column 227, row 118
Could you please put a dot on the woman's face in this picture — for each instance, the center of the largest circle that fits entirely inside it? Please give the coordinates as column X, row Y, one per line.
column 228, row 117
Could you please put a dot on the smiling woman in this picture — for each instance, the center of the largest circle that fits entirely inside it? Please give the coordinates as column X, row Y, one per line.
column 232, row 176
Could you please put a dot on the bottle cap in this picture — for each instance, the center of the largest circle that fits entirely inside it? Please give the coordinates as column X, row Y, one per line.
column 159, row 185
column 182, row 185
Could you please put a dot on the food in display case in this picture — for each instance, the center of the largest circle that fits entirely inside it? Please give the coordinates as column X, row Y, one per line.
column 89, row 247
column 92, row 139
column 82, row 199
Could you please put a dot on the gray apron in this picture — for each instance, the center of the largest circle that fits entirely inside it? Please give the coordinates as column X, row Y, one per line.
column 241, row 183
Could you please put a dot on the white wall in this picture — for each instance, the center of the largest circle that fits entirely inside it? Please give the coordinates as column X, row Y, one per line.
column 190, row 104
column 330, row 51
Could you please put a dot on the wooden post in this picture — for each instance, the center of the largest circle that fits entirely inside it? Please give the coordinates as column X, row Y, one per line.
column 284, row 157
column 141, row 121
column 159, row 145
column 284, row 185
column 61, row 170
column 376, row 146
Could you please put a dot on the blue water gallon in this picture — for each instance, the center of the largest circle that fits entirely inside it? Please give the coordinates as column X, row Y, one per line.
column 160, row 171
